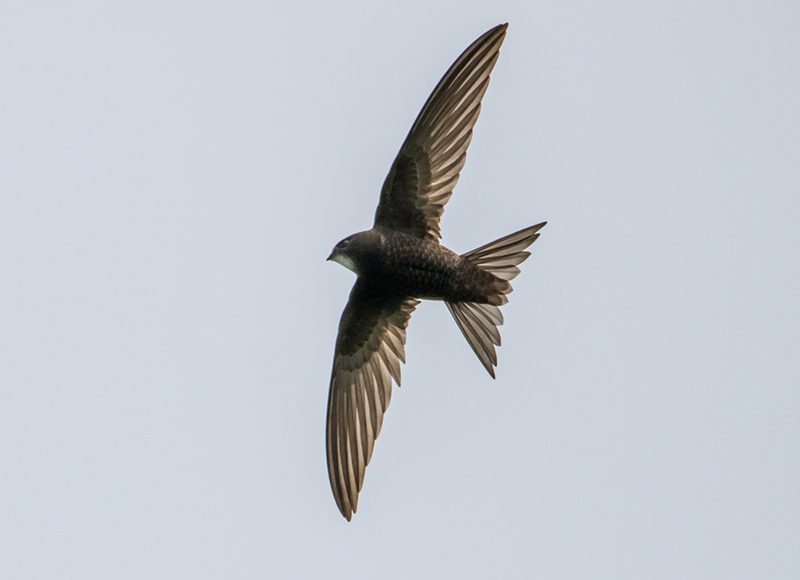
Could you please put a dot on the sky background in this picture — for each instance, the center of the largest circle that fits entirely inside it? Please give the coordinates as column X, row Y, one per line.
column 172, row 178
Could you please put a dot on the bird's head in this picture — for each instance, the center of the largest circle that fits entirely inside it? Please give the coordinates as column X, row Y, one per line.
column 357, row 251
column 345, row 254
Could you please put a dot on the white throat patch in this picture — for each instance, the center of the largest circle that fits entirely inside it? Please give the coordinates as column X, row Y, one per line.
column 345, row 261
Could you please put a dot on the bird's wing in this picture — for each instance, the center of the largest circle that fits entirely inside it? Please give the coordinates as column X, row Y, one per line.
column 369, row 349
column 426, row 169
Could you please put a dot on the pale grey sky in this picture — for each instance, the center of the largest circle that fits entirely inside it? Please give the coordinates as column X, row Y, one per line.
column 172, row 177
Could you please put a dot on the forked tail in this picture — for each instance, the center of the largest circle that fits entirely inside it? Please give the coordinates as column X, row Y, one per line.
column 479, row 321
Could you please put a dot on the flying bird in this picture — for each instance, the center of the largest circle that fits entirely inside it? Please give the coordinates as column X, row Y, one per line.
column 401, row 261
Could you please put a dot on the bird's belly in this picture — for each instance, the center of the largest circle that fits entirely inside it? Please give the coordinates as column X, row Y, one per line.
column 408, row 266
column 431, row 282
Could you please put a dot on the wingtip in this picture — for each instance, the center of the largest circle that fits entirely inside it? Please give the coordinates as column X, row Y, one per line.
column 346, row 513
column 500, row 28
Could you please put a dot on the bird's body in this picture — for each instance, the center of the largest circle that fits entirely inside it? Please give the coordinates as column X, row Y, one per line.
column 402, row 265
column 400, row 261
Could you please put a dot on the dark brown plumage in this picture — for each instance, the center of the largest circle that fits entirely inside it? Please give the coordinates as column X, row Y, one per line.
column 400, row 261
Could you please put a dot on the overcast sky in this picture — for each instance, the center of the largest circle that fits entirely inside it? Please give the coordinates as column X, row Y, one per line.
column 172, row 178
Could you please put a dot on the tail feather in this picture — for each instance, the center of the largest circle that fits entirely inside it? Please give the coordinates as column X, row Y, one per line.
column 480, row 330
column 478, row 322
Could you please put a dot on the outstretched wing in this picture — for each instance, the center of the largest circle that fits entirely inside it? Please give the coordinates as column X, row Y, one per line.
column 428, row 165
column 369, row 349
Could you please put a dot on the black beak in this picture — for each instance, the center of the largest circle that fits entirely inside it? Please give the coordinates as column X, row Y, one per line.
column 329, row 258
